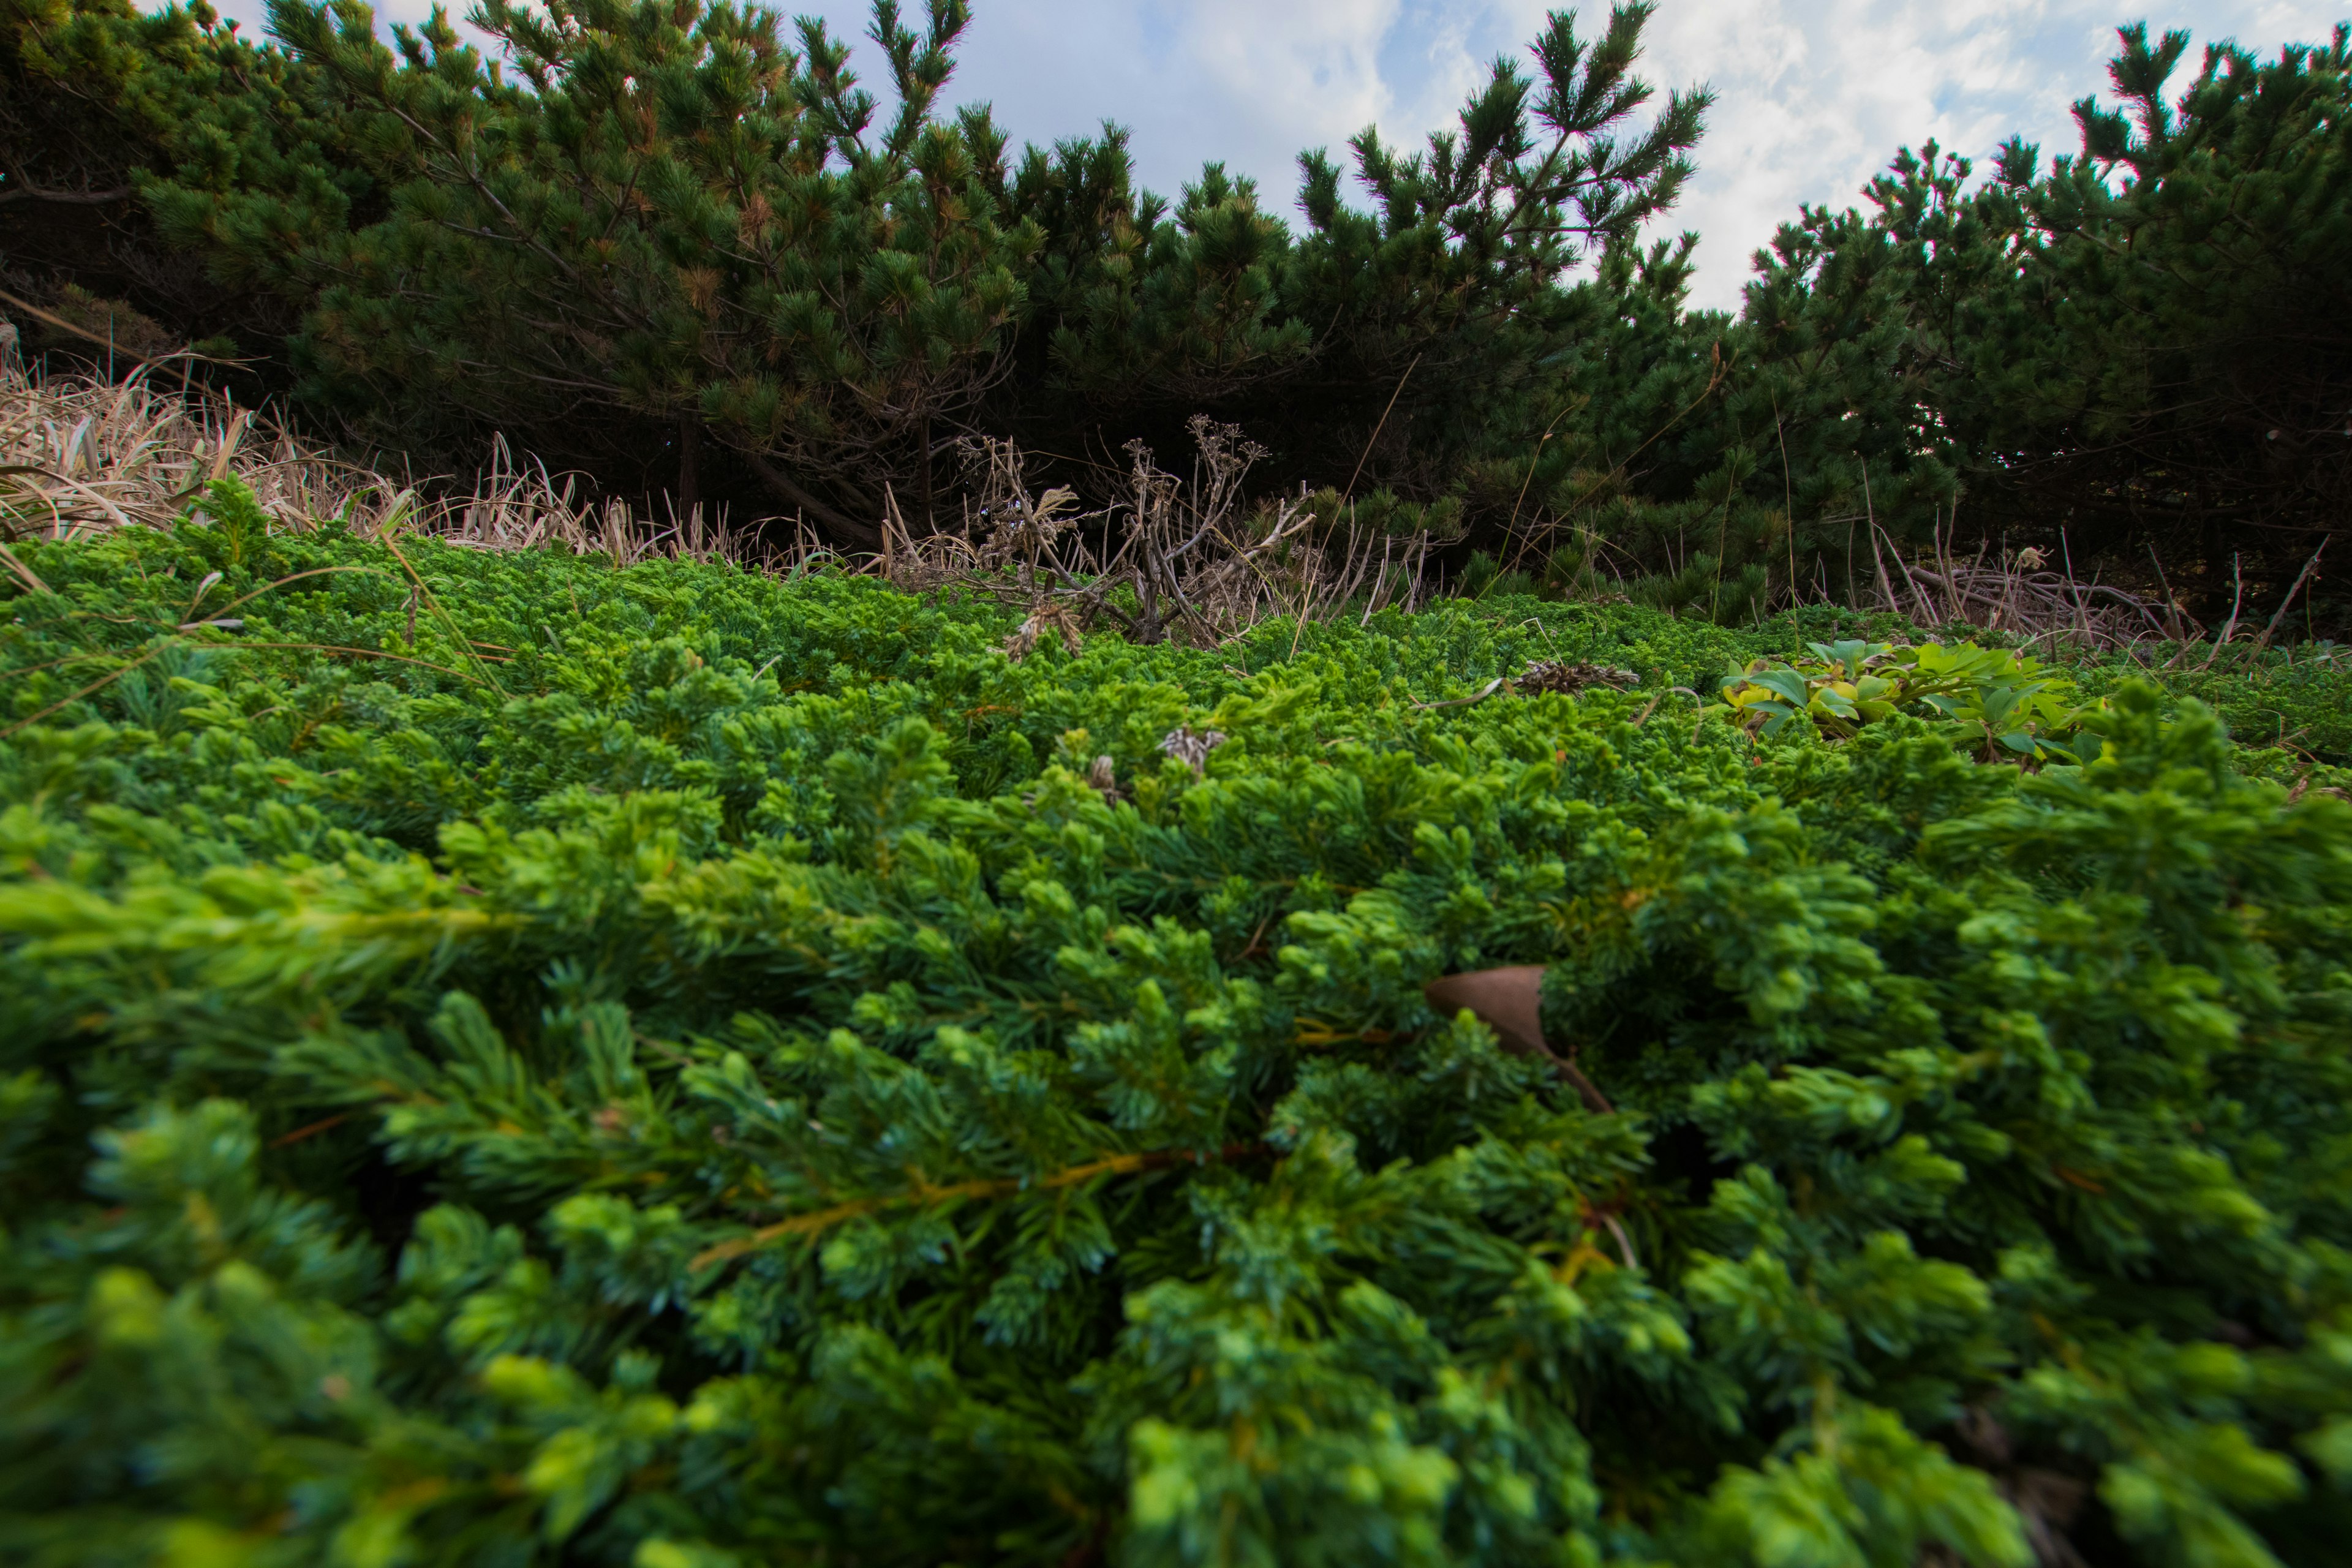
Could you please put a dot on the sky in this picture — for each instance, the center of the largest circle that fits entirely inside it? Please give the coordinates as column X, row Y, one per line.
column 1812, row 96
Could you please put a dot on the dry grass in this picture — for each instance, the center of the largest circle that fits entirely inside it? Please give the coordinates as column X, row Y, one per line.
column 1189, row 560
column 81, row 457
column 2037, row 599
column 2023, row 593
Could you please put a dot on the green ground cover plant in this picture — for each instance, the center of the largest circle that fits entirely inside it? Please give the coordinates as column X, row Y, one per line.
column 505, row 1061
column 2006, row 699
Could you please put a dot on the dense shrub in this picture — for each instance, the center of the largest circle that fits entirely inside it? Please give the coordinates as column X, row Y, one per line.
column 683, row 248
column 2140, row 342
column 503, row 1060
column 685, row 238
column 98, row 97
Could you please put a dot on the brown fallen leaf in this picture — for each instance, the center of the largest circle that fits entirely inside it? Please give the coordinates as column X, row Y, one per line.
column 1509, row 1001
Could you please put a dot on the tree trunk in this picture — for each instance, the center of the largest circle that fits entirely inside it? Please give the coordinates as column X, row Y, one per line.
column 931, row 523
column 846, row 532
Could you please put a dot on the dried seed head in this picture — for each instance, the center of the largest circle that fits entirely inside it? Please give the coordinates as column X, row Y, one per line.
column 1103, row 778
column 1552, row 675
column 1192, row 747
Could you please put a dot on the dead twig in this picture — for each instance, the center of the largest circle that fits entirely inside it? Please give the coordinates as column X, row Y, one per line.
column 1363, row 456
column 2301, row 578
column 1485, row 691
column 2237, row 600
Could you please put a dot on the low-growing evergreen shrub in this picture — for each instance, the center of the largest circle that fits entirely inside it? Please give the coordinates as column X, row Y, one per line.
column 504, row 1060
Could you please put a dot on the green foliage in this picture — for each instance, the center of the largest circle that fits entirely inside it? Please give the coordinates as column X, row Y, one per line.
column 664, row 209
column 682, row 1066
column 658, row 221
column 97, row 97
column 2002, row 698
column 2144, row 338
column 666, row 223
column 2294, row 703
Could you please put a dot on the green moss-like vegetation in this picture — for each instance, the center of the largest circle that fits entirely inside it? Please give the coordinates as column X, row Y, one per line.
column 503, row 1060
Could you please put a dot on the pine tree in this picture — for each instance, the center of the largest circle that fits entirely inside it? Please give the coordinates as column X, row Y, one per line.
column 673, row 224
column 669, row 216
column 2141, row 345
column 1405, row 344
column 688, row 252
column 2178, row 361
column 100, row 100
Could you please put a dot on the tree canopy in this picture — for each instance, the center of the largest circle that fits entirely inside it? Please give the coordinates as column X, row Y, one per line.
column 683, row 249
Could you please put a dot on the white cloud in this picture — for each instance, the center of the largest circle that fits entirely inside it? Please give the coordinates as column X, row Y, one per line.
column 1812, row 98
